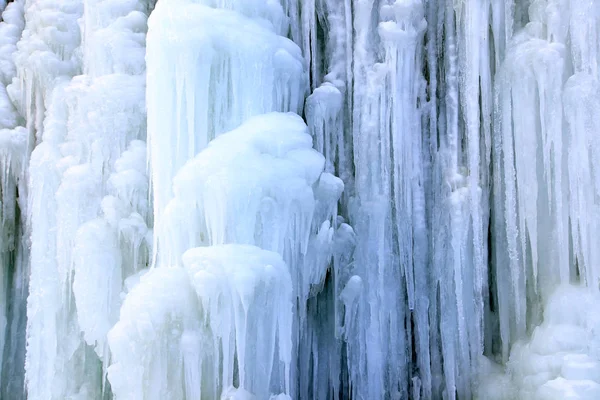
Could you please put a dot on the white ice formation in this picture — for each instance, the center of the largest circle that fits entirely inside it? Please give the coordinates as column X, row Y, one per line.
column 299, row 199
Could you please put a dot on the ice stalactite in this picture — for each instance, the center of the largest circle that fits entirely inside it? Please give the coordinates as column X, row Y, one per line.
column 195, row 332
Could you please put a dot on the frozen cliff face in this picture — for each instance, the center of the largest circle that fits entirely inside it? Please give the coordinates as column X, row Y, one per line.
column 299, row 199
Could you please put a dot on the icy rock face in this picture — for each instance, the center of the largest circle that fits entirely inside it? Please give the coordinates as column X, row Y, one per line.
column 13, row 257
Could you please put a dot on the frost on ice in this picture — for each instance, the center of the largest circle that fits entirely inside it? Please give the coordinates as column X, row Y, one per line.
column 299, row 199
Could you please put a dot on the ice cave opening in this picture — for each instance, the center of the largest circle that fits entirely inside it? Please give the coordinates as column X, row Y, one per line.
column 299, row 199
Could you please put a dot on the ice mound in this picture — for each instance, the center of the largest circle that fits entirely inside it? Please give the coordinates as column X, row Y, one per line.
column 252, row 185
column 195, row 332
column 145, row 343
column 561, row 360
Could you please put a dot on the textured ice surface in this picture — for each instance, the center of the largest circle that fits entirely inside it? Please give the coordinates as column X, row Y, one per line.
column 455, row 256
column 10, row 32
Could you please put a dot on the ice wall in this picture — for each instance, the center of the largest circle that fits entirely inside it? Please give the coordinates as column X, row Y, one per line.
column 356, row 199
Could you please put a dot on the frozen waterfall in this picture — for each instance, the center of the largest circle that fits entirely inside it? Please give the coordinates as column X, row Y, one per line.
column 300, row 199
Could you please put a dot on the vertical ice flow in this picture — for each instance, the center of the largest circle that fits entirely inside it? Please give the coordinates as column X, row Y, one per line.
column 224, row 258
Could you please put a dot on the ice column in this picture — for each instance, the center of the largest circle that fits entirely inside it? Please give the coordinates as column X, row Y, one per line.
column 88, row 203
column 241, row 201
column 14, row 274
column 388, row 146
column 460, row 142
column 545, row 189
